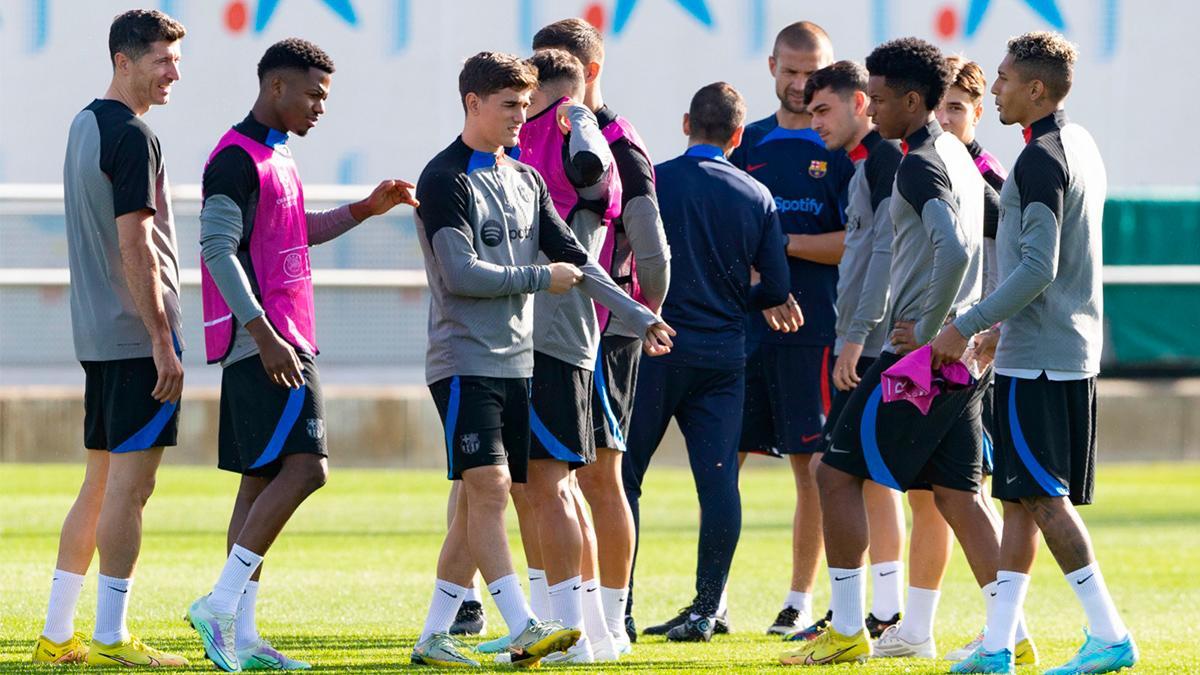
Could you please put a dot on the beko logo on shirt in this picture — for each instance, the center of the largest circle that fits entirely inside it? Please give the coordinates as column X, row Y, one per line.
column 805, row 205
column 492, row 233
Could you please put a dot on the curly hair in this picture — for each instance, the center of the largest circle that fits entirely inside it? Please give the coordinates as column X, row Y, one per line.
column 574, row 35
column 132, row 32
column 842, row 78
column 912, row 64
column 1045, row 56
column 968, row 76
column 294, row 54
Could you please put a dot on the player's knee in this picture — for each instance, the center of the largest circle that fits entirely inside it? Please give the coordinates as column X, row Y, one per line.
column 309, row 475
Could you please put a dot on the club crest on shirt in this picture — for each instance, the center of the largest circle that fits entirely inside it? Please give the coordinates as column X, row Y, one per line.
column 818, row 168
column 316, row 428
column 469, row 443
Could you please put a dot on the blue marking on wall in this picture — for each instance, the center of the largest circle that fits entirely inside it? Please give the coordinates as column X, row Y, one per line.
column 756, row 23
column 39, row 24
column 880, row 20
column 1110, row 22
column 266, row 9
column 403, row 25
column 526, row 22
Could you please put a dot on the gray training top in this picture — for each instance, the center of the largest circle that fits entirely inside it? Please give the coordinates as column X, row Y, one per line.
column 937, row 249
column 114, row 166
column 863, row 273
column 482, row 221
column 1050, row 298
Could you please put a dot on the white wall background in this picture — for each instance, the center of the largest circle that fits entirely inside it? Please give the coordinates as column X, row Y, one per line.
column 394, row 101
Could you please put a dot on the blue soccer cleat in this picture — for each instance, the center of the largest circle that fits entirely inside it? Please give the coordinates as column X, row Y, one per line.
column 980, row 661
column 1098, row 656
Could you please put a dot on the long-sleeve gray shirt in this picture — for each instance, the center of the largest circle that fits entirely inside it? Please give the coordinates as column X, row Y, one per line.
column 937, row 212
column 1049, row 301
column 483, row 220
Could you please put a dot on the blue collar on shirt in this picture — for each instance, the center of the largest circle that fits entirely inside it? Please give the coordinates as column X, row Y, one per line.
column 485, row 160
column 706, row 151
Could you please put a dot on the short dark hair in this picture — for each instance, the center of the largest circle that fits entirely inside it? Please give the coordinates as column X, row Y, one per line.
column 842, row 78
column 557, row 65
column 1045, row 56
column 132, row 32
column 489, row 72
column 294, row 54
column 968, row 76
column 575, row 35
column 802, row 35
column 716, row 112
column 912, row 64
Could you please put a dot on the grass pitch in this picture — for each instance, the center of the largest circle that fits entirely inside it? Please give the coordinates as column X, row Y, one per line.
column 347, row 585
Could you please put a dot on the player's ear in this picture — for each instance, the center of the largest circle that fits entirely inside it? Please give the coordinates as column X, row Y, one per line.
column 687, row 125
column 590, row 72
column 472, row 101
column 771, row 64
column 736, row 139
column 1037, row 90
column 860, row 103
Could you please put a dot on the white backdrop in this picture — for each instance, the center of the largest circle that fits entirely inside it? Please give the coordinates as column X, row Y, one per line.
column 394, row 101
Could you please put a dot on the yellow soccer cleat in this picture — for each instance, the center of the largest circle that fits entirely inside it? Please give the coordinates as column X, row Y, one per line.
column 829, row 647
column 1026, row 654
column 132, row 652
column 73, row 650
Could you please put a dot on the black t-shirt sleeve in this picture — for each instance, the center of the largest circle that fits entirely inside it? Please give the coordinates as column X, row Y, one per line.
column 637, row 176
column 132, row 163
column 1041, row 176
column 555, row 239
column 232, row 174
column 881, row 172
column 920, row 179
column 445, row 200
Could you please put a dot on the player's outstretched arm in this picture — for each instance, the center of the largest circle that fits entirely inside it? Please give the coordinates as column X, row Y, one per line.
column 325, row 226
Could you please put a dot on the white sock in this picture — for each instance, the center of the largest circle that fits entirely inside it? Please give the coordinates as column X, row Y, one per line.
column 472, row 594
column 112, row 605
column 447, row 598
column 566, row 602
column 539, row 598
column 615, row 600
column 1103, row 620
column 1004, row 610
column 723, row 603
column 239, row 567
column 848, row 586
column 801, row 602
column 593, row 614
column 917, row 625
column 247, row 631
column 60, row 614
column 1022, row 631
column 510, row 600
column 887, row 589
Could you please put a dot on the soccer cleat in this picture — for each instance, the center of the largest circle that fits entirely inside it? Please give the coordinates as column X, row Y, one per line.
column 967, row 649
column 677, row 620
column 580, row 652
column 442, row 650
column 830, row 647
column 262, row 656
column 700, row 629
column 980, row 661
column 875, row 626
column 1026, row 654
column 469, row 620
column 1098, row 656
column 497, row 646
column 131, row 652
column 621, row 644
column 605, row 649
column 721, row 622
column 539, row 639
column 216, row 633
column 811, row 632
column 788, row 621
column 72, row 650
column 892, row 644
column 630, row 628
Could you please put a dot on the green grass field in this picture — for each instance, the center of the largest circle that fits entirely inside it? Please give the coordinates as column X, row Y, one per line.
column 347, row 584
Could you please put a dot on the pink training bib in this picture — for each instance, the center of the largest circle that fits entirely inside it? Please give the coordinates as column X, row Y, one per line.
column 913, row 379
column 616, row 257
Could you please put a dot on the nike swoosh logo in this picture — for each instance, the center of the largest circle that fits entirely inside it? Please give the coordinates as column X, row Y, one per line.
column 838, row 451
column 1084, row 580
column 536, row 578
column 1009, row 480
column 575, row 588
column 829, row 658
column 993, row 594
column 845, row 577
column 887, row 574
column 755, row 167
column 1003, row 581
column 809, row 439
column 447, row 592
column 269, row 664
column 119, row 590
column 591, row 590
column 244, row 562
column 497, row 591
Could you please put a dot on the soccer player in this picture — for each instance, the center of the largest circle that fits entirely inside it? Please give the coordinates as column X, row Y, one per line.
column 1049, row 307
column 720, row 223
column 937, row 211
column 788, row 385
column 125, row 315
column 483, row 220
column 636, row 255
column 259, row 324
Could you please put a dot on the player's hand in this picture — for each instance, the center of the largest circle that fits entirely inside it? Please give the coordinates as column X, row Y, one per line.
column 386, row 195
column 658, row 339
column 278, row 357
column 985, row 347
column 948, row 346
column 845, row 370
column 169, row 387
column 563, row 277
column 564, row 120
column 785, row 318
column 904, row 336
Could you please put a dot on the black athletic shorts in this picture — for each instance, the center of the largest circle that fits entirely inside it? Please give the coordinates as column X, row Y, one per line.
column 988, row 417
column 1045, row 439
column 263, row 422
column 486, row 420
column 841, row 398
column 119, row 414
column 789, row 392
column 614, row 381
column 896, row 446
column 560, row 414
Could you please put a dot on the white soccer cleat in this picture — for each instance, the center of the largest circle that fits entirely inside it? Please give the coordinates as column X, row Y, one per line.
column 967, row 649
column 893, row 645
column 605, row 649
column 621, row 643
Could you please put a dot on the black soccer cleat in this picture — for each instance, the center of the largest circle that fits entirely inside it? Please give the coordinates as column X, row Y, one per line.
column 786, row 622
column 875, row 627
column 693, row 630
column 665, row 627
column 630, row 628
column 469, row 620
